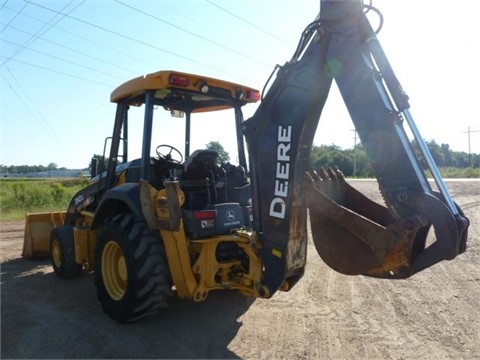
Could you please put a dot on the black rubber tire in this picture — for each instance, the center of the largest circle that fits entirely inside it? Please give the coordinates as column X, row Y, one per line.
column 147, row 288
column 62, row 252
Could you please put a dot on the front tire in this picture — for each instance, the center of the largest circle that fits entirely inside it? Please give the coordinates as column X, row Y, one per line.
column 131, row 271
column 62, row 252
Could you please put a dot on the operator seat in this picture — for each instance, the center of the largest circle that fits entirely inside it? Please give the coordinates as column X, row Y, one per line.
column 203, row 180
column 217, row 197
column 200, row 164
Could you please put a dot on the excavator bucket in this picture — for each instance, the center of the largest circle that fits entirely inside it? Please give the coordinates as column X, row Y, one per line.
column 370, row 240
column 38, row 227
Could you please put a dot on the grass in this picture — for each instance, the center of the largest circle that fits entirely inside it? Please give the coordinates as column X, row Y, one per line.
column 457, row 173
column 19, row 196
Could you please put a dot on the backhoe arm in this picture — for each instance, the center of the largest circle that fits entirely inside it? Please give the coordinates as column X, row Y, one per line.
column 351, row 233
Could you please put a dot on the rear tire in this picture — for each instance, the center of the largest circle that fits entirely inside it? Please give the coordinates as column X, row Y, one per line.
column 131, row 271
column 62, row 252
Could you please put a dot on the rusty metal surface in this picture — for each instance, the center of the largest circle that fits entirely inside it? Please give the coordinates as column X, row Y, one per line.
column 355, row 235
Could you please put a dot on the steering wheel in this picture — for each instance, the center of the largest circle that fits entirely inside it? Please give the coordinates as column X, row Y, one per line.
column 164, row 152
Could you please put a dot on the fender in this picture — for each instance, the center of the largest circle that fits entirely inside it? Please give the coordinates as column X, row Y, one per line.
column 123, row 198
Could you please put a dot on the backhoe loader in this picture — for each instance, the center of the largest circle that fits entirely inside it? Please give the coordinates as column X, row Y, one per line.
column 158, row 226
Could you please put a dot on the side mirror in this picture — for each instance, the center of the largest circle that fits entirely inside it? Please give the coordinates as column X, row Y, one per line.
column 177, row 113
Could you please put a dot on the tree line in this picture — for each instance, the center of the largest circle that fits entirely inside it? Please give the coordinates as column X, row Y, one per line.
column 26, row 169
column 352, row 162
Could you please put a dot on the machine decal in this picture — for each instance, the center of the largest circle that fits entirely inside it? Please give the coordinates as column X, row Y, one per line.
column 277, row 205
column 207, row 224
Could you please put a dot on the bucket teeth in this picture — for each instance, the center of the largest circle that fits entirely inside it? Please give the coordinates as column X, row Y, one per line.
column 347, row 238
column 355, row 235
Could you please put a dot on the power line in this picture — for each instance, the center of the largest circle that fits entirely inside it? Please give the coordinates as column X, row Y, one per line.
column 194, row 34
column 68, row 48
column 14, row 17
column 120, row 35
column 249, row 23
column 60, row 72
column 3, row 5
column 132, row 39
column 65, row 60
column 44, row 123
column 43, row 30
column 102, row 45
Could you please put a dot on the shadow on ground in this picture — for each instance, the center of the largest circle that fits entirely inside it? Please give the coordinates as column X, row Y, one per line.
column 43, row 316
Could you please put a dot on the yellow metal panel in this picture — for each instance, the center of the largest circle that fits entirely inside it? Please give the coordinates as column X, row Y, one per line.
column 38, row 227
column 160, row 209
column 160, row 81
column 85, row 241
column 179, row 262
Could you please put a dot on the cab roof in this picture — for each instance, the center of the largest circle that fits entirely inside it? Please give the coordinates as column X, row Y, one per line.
column 185, row 92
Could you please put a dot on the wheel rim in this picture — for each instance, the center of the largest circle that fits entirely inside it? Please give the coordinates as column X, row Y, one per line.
column 114, row 270
column 57, row 254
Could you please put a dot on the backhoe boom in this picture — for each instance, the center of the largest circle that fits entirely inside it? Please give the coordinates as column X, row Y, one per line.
column 351, row 233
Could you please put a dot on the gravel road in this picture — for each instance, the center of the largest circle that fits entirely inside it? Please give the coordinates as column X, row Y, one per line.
column 433, row 315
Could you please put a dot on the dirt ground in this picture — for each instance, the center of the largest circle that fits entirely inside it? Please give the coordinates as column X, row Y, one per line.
column 433, row 315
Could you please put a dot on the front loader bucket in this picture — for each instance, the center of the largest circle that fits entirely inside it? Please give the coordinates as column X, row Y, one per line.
column 37, row 233
column 355, row 235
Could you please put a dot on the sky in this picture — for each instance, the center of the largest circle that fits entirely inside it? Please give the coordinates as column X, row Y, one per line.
column 60, row 60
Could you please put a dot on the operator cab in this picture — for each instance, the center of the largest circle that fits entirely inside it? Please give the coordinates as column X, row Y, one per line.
column 217, row 195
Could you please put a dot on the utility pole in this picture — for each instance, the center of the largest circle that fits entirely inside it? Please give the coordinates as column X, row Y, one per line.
column 469, row 131
column 354, row 152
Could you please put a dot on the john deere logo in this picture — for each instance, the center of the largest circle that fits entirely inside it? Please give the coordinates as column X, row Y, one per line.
column 230, row 215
